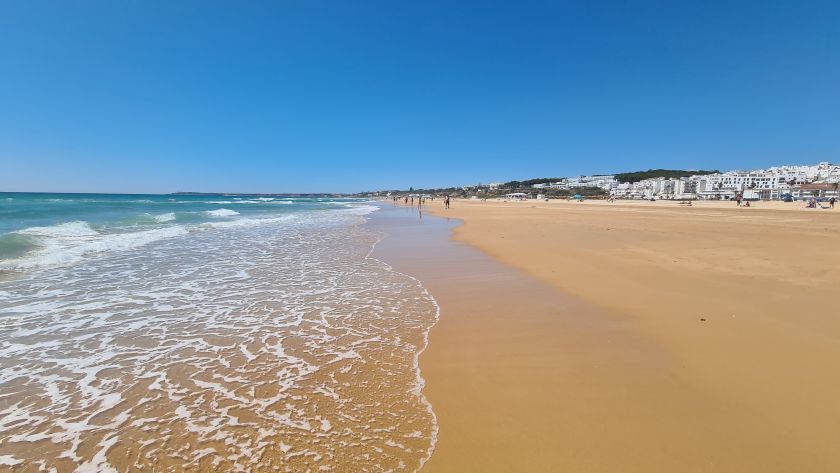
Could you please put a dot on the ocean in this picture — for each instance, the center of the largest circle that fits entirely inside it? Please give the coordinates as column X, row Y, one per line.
column 206, row 333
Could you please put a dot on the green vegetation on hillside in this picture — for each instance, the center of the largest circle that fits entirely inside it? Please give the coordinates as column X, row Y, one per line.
column 531, row 182
column 651, row 173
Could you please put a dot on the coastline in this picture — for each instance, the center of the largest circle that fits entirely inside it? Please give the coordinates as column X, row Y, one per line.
column 568, row 335
column 258, row 344
column 516, row 393
column 420, row 382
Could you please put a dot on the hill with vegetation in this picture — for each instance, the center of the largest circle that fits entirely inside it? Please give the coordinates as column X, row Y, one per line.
column 531, row 182
column 637, row 176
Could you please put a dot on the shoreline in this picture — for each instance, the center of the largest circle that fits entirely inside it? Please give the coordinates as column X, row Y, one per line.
column 518, row 393
column 420, row 380
column 276, row 345
column 742, row 374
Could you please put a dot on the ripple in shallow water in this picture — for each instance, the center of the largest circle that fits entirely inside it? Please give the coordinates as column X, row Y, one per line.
column 277, row 347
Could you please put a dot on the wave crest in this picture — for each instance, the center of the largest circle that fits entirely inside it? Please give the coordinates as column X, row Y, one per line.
column 221, row 213
column 69, row 242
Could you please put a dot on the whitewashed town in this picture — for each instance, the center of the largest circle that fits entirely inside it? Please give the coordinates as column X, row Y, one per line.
column 795, row 182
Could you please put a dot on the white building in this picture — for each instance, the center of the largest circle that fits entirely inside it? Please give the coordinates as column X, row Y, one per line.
column 767, row 184
column 605, row 182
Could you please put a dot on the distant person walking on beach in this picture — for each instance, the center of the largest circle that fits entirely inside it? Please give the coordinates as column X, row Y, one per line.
column 738, row 199
column 446, row 202
column 831, row 202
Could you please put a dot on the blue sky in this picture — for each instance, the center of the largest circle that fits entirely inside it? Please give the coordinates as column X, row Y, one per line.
column 307, row 96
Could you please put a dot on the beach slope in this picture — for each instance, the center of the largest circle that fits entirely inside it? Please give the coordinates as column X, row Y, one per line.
column 635, row 337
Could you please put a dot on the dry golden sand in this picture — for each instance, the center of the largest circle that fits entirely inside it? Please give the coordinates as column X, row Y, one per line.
column 698, row 339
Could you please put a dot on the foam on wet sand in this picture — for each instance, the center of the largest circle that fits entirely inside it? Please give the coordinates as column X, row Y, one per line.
column 275, row 345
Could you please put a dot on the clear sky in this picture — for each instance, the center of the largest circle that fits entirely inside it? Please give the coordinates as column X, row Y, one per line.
column 307, row 96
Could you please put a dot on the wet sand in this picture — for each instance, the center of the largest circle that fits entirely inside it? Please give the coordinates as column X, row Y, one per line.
column 587, row 349
column 268, row 348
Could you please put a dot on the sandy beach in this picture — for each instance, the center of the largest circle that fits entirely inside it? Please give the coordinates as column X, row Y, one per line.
column 633, row 336
column 213, row 257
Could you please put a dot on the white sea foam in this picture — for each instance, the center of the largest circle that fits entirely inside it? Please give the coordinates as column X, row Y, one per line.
column 9, row 460
column 70, row 242
column 221, row 213
column 258, row 201
column 359, row 209
column 275, row 342
column 68, row 229
column 167, row 217
column 248, row 222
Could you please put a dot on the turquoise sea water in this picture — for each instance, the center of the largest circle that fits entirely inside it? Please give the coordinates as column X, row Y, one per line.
column 39, row 230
